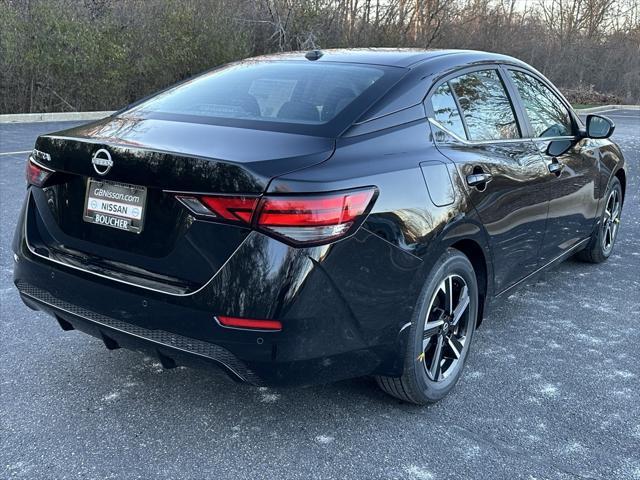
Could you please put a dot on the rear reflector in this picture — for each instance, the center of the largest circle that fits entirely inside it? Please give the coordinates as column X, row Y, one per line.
column 249, row 323
column 36, row 174
column 300, row 219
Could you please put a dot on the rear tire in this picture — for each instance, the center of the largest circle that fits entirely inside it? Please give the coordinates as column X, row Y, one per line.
column 440, row 334
column 603, row 238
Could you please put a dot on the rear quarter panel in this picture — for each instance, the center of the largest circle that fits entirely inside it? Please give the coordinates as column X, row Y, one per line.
column 380, row 272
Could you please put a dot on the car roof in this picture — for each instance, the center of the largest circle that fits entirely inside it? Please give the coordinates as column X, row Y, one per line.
column 393, row 57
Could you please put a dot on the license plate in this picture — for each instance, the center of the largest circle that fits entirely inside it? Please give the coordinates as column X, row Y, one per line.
column 116, row 205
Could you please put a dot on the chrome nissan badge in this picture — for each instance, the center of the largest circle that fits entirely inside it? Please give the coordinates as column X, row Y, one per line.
column 102, row 162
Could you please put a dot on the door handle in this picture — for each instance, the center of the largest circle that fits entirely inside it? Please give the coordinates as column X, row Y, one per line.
column 477, row 179
column 555, row 167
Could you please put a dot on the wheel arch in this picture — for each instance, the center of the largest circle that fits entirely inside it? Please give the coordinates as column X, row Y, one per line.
column 474, row 252
column 622, row 176
column 468, row 236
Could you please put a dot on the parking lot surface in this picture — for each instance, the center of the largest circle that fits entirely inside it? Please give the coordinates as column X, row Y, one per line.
column 551, row 389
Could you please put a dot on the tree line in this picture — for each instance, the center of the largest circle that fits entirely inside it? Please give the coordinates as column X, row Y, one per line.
column 76, row 55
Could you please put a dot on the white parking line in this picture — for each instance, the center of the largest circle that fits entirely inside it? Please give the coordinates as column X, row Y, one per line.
column 15, row 153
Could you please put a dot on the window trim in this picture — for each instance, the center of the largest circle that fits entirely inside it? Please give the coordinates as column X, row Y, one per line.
column 506, row 91
column 575, row 123
column 430, row 110
column 526, row 130
column 465, row 70
column 456, row 100
column 516, row 101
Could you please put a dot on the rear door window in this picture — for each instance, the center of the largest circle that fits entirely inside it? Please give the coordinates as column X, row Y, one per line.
column 445, row 110
column 486, row 107
column 547, row 114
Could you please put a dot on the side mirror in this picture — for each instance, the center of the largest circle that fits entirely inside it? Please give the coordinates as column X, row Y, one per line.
column 599, row 127
column 559, row 147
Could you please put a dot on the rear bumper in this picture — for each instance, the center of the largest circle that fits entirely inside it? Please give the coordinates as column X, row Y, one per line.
column 171, row 349
column 342, row 309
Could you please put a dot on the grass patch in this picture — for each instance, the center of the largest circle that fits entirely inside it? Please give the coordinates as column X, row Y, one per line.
column 586, row 105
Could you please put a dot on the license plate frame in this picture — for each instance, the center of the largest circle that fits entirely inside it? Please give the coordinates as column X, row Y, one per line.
column 116, row 205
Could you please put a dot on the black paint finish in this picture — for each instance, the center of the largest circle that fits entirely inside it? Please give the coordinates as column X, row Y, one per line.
column 343, row 306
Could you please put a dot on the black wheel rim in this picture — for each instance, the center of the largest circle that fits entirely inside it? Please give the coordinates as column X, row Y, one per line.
column 445, row 334
column 611, row 221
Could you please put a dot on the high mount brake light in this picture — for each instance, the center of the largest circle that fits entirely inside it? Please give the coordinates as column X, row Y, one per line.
column 309, row 219
column 36, row 174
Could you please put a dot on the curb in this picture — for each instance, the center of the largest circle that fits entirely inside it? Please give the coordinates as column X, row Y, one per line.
column 607, row 108
column 52, row 117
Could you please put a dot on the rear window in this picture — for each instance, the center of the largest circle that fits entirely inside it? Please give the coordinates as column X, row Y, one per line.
column 292, row 93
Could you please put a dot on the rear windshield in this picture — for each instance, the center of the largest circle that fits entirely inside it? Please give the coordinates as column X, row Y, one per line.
column 277, row 95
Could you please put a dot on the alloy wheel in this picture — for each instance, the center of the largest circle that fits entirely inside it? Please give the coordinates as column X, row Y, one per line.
column 611, row 221
column 446, row 328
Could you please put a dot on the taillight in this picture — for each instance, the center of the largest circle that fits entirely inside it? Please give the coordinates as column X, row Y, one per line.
column 311, row 219
column 37, row 175
column 223, row 208
column 231, row 208
column 249, row 323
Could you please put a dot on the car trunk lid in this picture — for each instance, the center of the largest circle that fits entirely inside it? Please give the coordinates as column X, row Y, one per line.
column 172, row 155
column 164, row 157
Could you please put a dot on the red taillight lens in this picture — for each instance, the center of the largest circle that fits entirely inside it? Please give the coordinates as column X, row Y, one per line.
column 311, row 219
column 310, row 211
column 231, row 208
column 249, row 323
column 36, row 174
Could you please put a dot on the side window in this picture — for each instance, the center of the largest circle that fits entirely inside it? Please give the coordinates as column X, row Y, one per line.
column 446, row 111
column 547, row 114
column 485, row 105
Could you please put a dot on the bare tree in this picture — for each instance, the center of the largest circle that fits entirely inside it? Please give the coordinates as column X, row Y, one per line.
column 104, row 53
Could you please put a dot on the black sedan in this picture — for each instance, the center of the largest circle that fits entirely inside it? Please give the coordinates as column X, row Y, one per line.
column 304, row 218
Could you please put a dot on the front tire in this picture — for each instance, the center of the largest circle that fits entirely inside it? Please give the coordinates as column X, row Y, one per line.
column 603, row 238
column 440, row 333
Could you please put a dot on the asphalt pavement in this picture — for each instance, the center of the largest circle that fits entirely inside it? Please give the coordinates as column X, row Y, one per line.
column 551, row 389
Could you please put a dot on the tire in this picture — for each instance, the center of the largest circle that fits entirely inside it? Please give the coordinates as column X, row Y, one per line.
column 603, row 238
column 424, row 381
